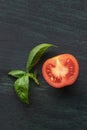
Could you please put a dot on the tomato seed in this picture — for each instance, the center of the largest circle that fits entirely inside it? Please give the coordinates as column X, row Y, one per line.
column 58, row 79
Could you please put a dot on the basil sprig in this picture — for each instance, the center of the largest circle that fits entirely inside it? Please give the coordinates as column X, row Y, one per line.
column 21, row 85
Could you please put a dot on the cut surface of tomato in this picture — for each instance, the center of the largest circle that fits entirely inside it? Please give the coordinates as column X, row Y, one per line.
column 61, row 70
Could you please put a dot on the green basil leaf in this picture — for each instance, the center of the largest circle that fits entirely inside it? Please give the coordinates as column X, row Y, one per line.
column 36, row 53
column 21, row 86
column 16, row 73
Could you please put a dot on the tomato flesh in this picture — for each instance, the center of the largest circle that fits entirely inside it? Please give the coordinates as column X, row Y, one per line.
column 61, row 70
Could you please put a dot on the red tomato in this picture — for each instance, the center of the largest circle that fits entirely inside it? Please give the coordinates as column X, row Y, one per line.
column 61, row 70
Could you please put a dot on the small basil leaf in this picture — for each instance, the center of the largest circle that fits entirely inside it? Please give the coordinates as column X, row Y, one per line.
column 21, row 86
column 36, row 53
column 16, row 73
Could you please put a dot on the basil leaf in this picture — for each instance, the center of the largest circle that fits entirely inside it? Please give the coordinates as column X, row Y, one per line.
column 16, row 73
column 35, row 54
column 21, row 86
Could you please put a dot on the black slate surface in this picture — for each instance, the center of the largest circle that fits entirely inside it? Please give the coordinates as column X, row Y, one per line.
column 23, row 25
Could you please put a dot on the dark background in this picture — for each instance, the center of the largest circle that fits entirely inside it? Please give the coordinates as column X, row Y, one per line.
column 23, row 25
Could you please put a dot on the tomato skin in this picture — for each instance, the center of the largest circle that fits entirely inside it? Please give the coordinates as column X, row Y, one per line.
column 60, row 71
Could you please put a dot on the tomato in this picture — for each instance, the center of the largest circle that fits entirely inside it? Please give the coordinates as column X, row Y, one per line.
column 61, row 70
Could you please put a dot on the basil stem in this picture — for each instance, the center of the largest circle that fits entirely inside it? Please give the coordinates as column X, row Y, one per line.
column 34, row 77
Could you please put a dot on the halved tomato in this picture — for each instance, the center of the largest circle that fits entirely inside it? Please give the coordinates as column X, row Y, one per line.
column 61, row 70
